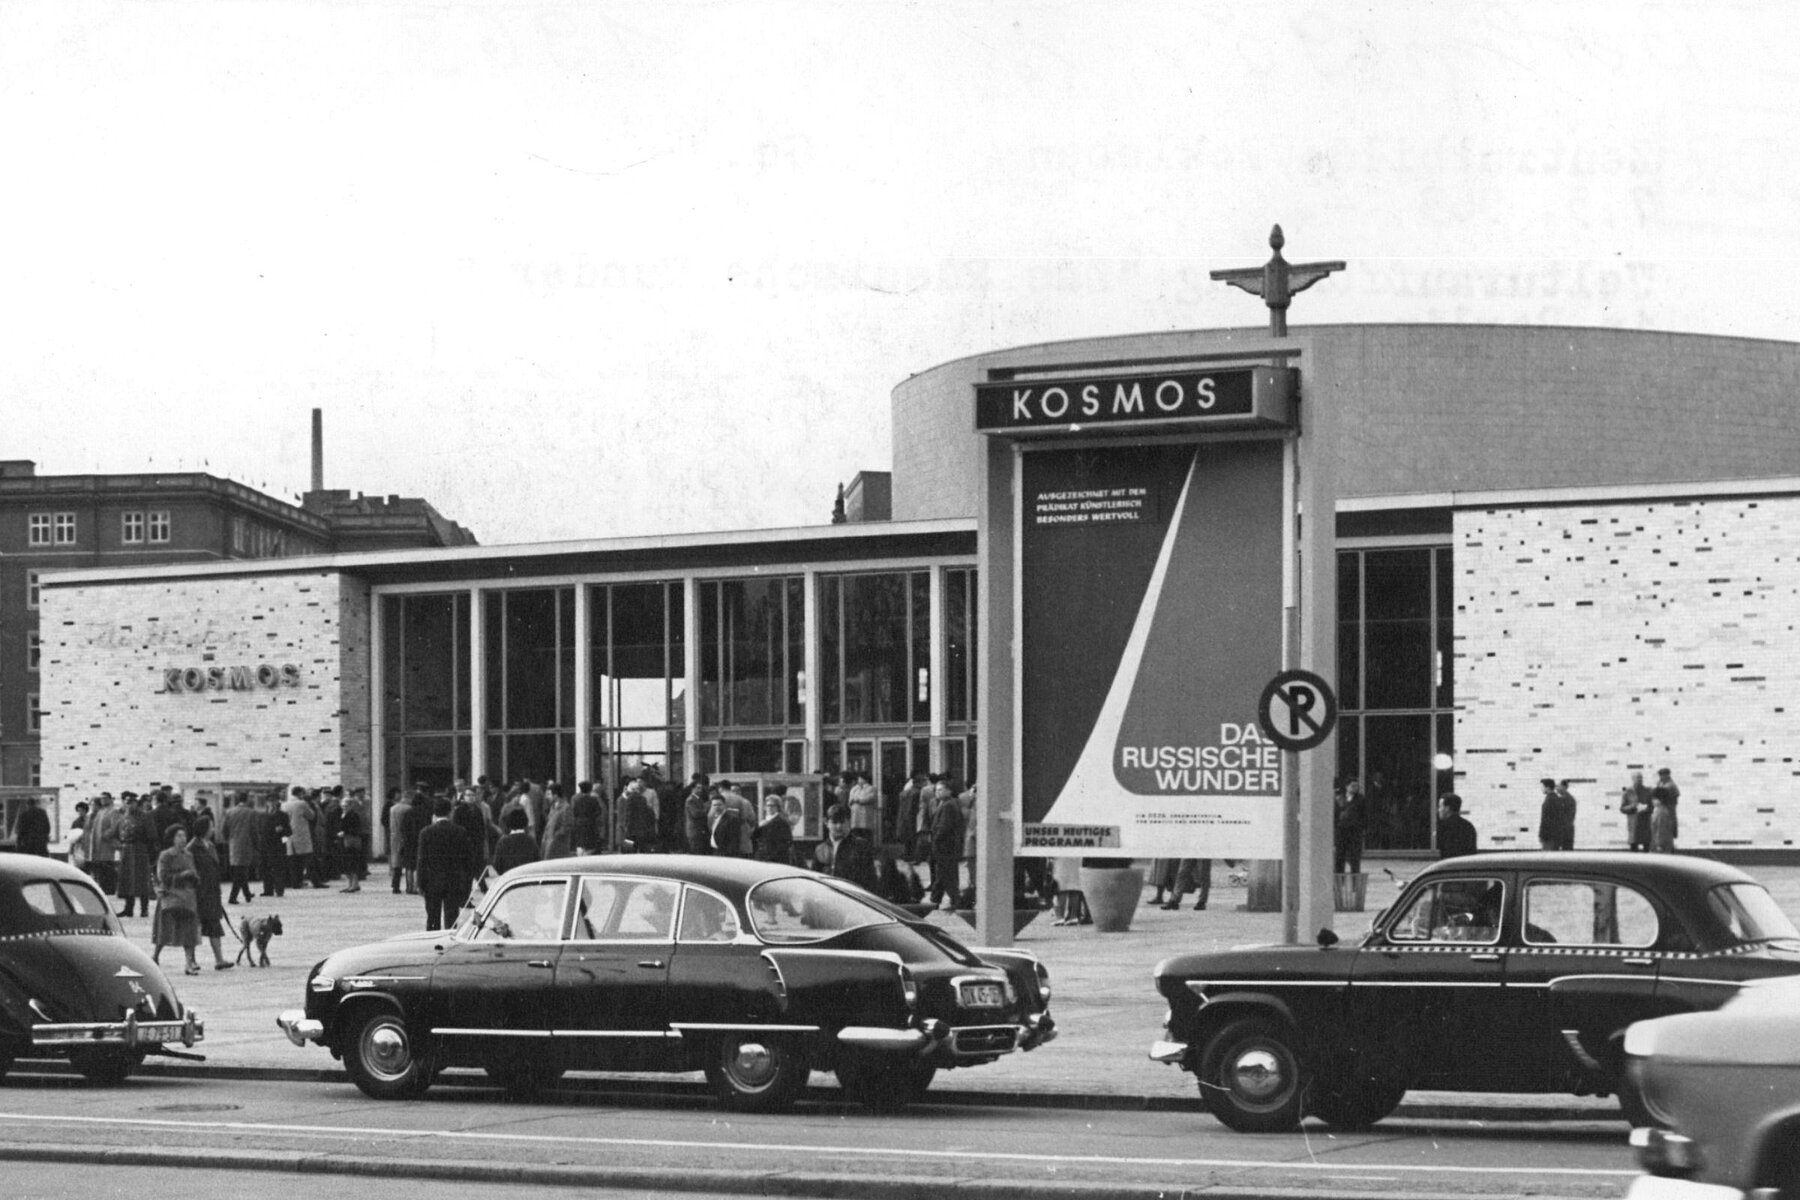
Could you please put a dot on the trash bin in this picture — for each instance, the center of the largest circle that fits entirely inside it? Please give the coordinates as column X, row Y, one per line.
column 1351, row 891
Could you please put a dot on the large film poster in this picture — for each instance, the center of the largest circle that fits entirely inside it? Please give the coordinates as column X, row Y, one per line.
column 1151, row 621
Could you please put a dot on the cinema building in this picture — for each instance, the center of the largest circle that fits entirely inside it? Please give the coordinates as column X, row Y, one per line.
column 1567, row 553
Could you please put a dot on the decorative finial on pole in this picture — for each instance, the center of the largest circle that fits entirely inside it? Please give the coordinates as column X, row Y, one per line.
column 1277, row 280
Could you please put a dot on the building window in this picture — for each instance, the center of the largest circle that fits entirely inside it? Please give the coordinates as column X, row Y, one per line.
column 33, row 585
column 37, row 773
column 159, row 526
column 40, row 529
column 34, row 720
column 34, row 647
column 65, row 529
column 132, row 530
column 1396, row 685
column 752, row 655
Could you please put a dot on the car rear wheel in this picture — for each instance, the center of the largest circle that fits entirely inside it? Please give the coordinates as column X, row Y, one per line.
column 1250, row 1076
column 756, row 1073
column 882, row 1082
column 522, row 1081
column 385, row 1058
column 105, row 1066
column 1354, row 1102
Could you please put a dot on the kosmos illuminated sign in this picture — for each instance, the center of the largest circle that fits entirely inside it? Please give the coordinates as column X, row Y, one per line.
column 1233, row 397
column 178, row 680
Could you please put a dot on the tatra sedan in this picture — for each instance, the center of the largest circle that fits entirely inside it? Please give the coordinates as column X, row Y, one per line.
column 71, row 984
column 754, row 973
column 1509, row 972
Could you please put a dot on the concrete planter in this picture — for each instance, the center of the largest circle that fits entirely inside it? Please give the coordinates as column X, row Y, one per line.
column 1112, row 896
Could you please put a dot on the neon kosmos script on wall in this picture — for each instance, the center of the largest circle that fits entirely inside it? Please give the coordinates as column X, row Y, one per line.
column 1150, row 595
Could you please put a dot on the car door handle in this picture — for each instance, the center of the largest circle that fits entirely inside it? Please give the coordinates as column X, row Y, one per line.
column 542, row 964
column 651, row 962
column 1484, row 958
column 1639, row 962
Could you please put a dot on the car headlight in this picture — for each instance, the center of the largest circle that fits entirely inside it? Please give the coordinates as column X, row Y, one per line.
column 909, row 988
column 322, row 983
column 1043, row 979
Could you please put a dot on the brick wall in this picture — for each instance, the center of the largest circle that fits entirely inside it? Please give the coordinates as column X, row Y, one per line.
column 1597, row 640
column 110, row 723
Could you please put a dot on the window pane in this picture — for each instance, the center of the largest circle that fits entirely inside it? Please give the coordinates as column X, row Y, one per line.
column 427, row 645
column 1399, row 784
column 875, row 646
column 1350, row 629
column 530, row 660
column 636, row 690
column 922, row 685
column 712, row 652
column 831, row 650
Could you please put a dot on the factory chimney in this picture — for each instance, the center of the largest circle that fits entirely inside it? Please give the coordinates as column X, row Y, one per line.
column 318, row 450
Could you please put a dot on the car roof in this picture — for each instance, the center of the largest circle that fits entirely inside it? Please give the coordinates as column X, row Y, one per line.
column 17, row 868
column 1682, row 869
column 720, row 872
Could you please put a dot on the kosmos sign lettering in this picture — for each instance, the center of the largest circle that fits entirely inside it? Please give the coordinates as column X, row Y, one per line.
column 1234, row 397
column 177, row 680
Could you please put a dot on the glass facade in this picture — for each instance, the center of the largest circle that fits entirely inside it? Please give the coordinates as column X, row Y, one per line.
column 529, row 710
column 638, row 637
column 1396, row 687
column 425, row 693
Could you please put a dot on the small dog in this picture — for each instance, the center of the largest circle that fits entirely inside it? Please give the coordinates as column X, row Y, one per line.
column 254, row 933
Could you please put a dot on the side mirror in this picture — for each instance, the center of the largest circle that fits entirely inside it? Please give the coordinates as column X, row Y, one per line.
column 1327, row 939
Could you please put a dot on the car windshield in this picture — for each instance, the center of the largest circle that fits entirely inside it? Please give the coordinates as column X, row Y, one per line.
column 805, row 910
column 1750, row 914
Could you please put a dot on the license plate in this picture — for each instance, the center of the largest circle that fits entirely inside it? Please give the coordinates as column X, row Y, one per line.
column 983, row 995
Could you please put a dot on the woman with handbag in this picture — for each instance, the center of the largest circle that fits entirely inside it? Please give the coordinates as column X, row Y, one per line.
column 177, row 900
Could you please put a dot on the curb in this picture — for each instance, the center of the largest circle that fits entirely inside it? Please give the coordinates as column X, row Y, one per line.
column 737, row 1183
column 682, row 1090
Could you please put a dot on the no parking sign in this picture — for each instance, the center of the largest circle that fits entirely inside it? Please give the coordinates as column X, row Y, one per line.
column 1298, row 710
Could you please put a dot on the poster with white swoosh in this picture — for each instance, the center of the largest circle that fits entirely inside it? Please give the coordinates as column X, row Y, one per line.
column 1150, row 606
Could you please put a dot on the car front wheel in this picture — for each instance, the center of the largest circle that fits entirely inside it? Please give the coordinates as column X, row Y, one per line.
column 1250, row 1076
column 881, row 1082
column 756, row 1073
column 385, row 1058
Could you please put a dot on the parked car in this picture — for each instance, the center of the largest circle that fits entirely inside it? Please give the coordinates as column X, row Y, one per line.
column 71, row 984
column 1509, row 972
column 1722, row 1093
column 755, row 973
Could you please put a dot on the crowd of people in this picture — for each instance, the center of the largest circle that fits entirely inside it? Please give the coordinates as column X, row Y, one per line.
column 1651, row 823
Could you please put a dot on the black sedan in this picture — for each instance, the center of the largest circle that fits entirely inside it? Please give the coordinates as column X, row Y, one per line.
column 754, row 973
column 71, row 984
column 1513, row 972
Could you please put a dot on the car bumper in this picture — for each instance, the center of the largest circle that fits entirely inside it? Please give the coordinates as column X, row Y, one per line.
column 130, row 1033
column 1661, row 1187
column 299, row 1027
column 1168, row 1052
column 936, row 1040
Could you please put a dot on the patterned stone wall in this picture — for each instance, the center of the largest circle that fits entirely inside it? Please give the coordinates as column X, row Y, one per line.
column 236, row 712
column 1597, row 640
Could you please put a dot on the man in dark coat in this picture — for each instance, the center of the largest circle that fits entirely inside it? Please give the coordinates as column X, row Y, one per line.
column 444, row 872
column 845, row 852
column 1456, row 837
column 586, row 814
column 1556, row 820
column 31, row 832
column 272, row 831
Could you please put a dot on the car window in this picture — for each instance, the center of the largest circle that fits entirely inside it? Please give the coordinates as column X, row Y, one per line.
column 620, row 908
column 804, row 910
column 1750, row 914
column 531, row 911
column 706, row 918
column 1579, row 912
column 45, row 897
column 1452, row 910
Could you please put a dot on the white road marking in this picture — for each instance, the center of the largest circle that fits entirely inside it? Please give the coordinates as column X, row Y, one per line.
column 368, row 1132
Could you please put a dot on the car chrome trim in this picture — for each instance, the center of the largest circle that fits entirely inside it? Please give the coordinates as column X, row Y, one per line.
column 130, row 1032
column 453, row 1031
column 1573, row 1038
column 709, row 1026
column 1168, row 1052
column 878, row 1038
column 299, row 1028
column 616, row 1033
column 980, row 1041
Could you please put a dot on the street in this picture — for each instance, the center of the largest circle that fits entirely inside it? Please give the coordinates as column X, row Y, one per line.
column 590, row 1138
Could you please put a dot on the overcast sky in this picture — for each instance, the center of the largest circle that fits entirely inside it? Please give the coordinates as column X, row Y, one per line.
column 582, row 269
